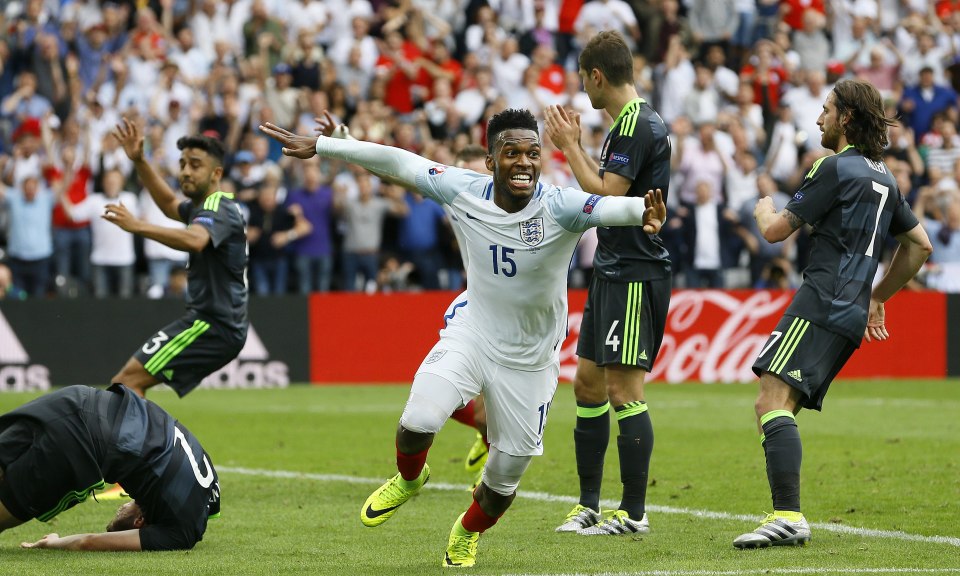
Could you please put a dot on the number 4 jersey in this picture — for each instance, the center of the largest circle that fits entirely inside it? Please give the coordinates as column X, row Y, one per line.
column 517, row 263
column 853, row 204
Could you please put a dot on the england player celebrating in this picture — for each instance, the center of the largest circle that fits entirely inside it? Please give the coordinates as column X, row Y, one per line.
column 502, row 336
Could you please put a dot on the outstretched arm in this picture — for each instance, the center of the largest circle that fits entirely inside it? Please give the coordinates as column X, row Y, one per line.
column 384, row 161
column 123, row 541
column 128, row 134
column 193, row 238
column 629, row 211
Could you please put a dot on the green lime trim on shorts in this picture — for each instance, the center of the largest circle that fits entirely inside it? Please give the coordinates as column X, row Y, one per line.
column 631, row 324
column 776, row 414
column 593, row 412
column 763, row 437
column 631, row 409
column 789, row 345
column 68, row 499
column 175, row 346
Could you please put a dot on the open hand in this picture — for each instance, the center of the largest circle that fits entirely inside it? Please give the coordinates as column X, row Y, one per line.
column 129, row 137
column 302, row 147
column 655, row 211
column 562, row 127
column 120, row 215
column 876, row 330
column 44, row 542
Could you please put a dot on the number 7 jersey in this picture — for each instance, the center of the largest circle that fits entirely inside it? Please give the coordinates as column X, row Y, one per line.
column 517, row 263
column 853, row 204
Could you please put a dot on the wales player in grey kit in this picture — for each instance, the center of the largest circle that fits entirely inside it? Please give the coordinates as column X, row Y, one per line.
column 214, row 330
column 852, row 201
column 57, row 449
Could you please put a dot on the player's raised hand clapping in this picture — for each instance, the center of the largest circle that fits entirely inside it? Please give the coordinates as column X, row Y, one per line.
column 128, row 135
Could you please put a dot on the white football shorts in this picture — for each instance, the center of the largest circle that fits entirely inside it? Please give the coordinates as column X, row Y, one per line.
column 517, row 402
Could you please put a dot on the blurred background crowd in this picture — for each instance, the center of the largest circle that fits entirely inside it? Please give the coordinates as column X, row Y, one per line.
column 740, row 83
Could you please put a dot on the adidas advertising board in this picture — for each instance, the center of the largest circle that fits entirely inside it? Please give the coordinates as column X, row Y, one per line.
column 58, row 342
column 17, row 373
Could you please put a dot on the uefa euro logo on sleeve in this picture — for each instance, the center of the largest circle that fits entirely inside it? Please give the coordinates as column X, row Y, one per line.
column 436, row 170
column 531, row 231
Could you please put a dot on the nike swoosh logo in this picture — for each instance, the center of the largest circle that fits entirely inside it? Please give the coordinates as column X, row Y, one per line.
column 471, row 217
column 472, row 461
column 371, row 513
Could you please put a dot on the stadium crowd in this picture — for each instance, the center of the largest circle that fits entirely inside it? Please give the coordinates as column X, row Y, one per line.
column 740, row 83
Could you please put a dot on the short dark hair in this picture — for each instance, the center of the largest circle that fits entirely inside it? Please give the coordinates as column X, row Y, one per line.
column 510, row 119
column 209, row 145
column 867, row 129
column 609, row 53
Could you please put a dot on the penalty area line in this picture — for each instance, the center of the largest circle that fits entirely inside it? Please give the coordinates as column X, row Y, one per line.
column 546, row 497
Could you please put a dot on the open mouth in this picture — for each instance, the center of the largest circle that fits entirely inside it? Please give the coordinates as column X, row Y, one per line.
column 522, row 181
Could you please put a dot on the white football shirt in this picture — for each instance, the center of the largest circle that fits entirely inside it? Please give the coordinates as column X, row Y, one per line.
column 516, row 298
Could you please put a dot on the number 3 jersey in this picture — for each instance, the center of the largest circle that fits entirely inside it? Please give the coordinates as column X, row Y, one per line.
column 853, row 204
column 517, row 263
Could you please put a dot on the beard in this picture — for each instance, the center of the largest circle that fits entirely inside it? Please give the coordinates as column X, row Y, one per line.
column 830, row 138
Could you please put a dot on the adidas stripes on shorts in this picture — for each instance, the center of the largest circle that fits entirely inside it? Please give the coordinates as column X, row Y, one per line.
column 805, row 356
column 623, row 322
column 187, row 350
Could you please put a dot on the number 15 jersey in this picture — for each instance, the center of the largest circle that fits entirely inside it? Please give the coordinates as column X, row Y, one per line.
column 517, row 263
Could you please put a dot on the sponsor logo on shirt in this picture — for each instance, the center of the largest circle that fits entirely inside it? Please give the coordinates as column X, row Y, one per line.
column 798, row 196
column 436, row 170
column 619, row 158
column 590, row 203
column 205, row 220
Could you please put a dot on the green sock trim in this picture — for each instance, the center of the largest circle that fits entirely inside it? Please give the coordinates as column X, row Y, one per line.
column 762, row 438
column 776, row 414
column 630, row 409
column 593, row 411
column 790, row 515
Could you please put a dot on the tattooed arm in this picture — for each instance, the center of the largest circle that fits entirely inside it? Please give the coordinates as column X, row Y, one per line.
column 775, row 226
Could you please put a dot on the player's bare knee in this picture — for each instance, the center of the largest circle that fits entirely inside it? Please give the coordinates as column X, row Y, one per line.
column 412, row 442
column 589, row 390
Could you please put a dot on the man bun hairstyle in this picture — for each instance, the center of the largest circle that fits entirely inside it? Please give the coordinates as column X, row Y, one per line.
column 209, row 145
column 510, row 119
column 867, row 128
column 609, row 53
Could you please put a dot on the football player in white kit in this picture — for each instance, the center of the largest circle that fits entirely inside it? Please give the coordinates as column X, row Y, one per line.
column 502, row 336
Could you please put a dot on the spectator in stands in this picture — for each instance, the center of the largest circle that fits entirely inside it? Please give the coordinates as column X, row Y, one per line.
column 419, row 238
column 811, row 42
column 313, row 252
column 806, row 104
column 761, row 252
column 924, row 100
column 698, row 159
column 363, row 230
column 705, row 228
column 713, row 23
column 113, row 255
column 72, row 238
column 702, row 103
column 29, row 237
column 942, row 144
column 272, row 227
column 943, row 228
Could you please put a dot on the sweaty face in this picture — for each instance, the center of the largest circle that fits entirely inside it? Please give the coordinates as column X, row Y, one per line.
column 197, row 173
column 515, row 163
column 830, row 124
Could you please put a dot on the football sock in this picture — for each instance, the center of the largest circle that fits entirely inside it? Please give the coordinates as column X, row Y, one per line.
column 635, row 445
column 476, row 520
column 410, row 466
column 591, row 436
column 783, row 451
column 465, row 415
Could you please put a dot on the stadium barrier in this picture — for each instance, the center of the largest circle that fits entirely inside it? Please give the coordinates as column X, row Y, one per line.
column 712, row 336
column 60, row 342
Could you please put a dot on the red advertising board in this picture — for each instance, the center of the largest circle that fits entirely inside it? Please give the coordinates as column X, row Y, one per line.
column 711, row 336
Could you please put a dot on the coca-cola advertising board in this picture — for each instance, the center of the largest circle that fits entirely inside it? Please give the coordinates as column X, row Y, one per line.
column 711, row 336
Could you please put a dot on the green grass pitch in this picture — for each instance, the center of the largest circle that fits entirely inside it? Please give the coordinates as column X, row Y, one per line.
column 881, row 486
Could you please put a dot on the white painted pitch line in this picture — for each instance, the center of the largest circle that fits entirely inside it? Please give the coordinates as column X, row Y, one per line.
column 546, row 497
column 771, row 571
